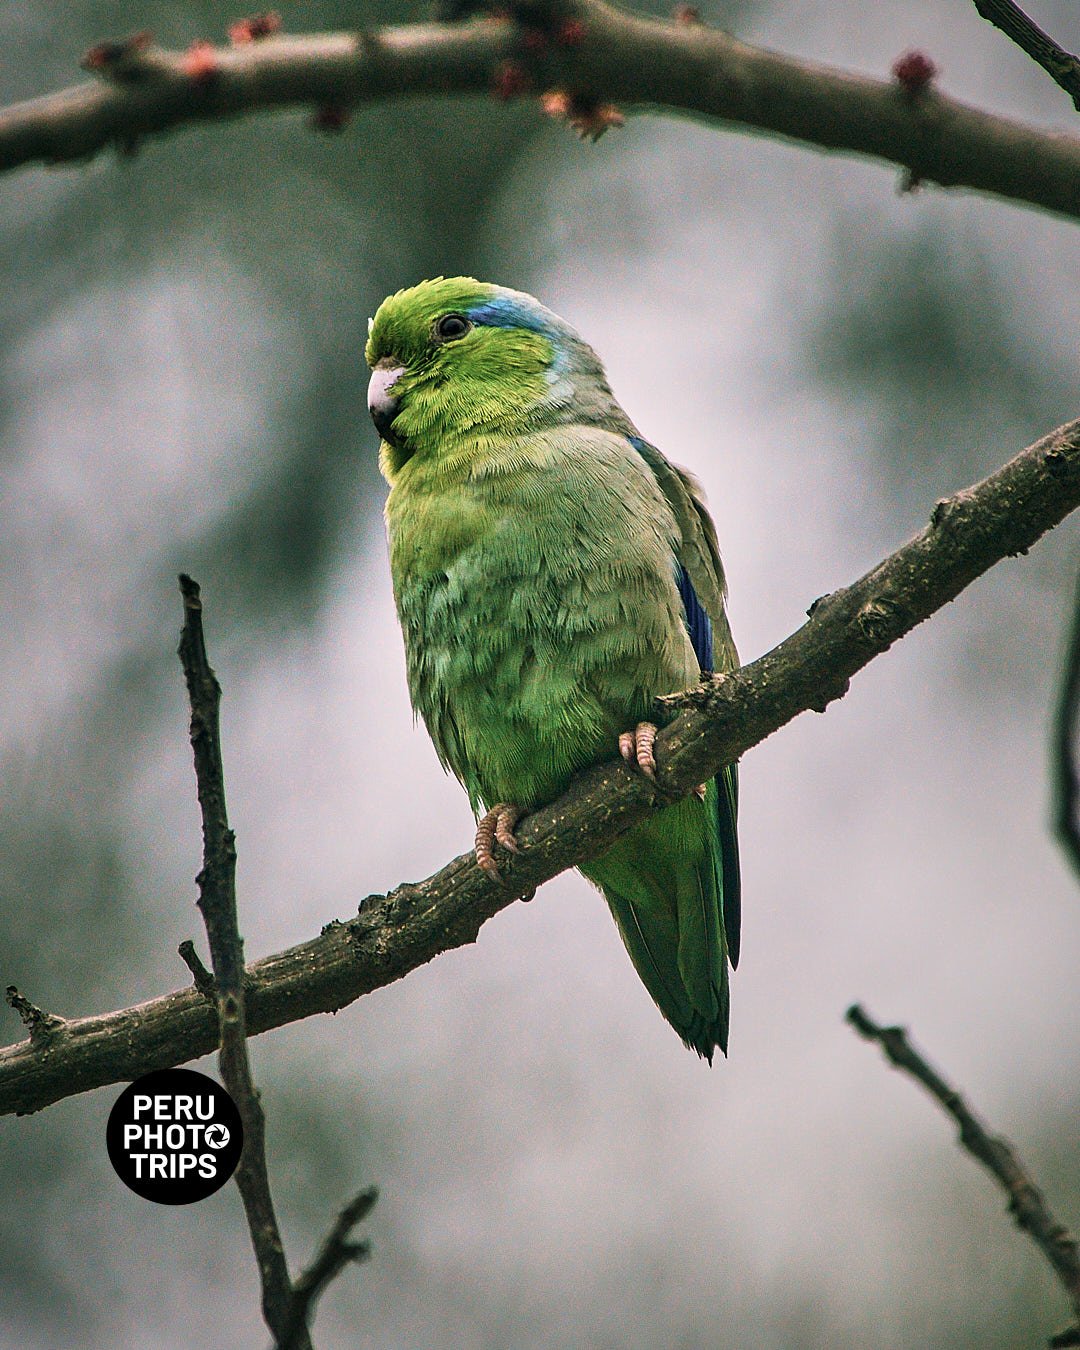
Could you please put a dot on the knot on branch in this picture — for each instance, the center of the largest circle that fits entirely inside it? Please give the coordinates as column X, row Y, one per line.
column 1058, row 462
column 122, row 59
column 42, row 1026
column 701, row 695
column 254, row 28
column 944, row 508
column 817, row 605
column 879, row 621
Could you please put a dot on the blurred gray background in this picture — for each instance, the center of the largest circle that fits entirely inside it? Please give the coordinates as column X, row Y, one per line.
column 182, row 387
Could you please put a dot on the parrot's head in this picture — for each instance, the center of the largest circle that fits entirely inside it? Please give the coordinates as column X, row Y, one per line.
column 458, row 363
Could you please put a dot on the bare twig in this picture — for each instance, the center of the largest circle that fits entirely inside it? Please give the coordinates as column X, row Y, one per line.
column 1066, row 776
column 217, row 901
column 337, row 1251
column 42, row 1026
column 595, row 57
column 1062, row 66
column 287, row 1309
column 203, row 979
column 997, row 1155
column 717, row 722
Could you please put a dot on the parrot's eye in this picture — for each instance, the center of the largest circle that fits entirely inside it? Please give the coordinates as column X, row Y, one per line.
column 451, row 326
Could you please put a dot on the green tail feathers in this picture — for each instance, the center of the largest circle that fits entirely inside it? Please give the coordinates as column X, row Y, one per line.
column 673, row 888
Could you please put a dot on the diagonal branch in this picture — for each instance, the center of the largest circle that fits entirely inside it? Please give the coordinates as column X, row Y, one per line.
column 725, row 716
column 1026, row 1202
column 1060, row 65
column 217, row 901
column 590, row 54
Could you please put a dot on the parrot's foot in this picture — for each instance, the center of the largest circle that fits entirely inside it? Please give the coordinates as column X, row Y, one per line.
column 636, row 747
column 497, row 827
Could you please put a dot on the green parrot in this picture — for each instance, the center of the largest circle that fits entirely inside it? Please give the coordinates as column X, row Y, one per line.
column 554, row 574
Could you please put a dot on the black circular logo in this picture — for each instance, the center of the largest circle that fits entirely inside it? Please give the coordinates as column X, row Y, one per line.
column 174, row 1136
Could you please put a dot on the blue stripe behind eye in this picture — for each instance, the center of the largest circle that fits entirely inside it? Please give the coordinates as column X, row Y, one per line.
column 503, row 312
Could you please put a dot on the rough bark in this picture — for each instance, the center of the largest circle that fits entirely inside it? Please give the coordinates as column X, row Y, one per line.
column 590, row 50
column 713, row 724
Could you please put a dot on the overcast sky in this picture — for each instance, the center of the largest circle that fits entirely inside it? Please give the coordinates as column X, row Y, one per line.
column 556, row 1170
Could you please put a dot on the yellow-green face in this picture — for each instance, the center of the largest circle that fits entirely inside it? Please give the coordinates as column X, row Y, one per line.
column 454, row 362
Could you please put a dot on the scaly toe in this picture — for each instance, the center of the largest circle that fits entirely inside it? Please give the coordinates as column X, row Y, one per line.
column 497, row 826
column 644, row 737
column 636, row 747
column 507, row 818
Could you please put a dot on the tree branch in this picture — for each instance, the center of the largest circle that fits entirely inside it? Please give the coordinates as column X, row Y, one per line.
column 1060, row 65
column 590, row 51
column 41, row 1025
column 997, row 1155
column 217, row 902
column 1066, row 777
column 717, row 722
column 338, row 1249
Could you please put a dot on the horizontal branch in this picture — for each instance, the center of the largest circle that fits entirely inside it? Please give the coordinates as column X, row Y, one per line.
column 594, row 52
column 713, row 725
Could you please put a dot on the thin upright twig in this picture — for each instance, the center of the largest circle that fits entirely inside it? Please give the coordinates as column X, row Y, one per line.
column 1066, row 776
column 1026, row 1202
column 217, row 902
column 287, row 1308
column 1062, row 66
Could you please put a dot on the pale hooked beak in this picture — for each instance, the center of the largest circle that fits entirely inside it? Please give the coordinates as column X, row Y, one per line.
column 381, row 403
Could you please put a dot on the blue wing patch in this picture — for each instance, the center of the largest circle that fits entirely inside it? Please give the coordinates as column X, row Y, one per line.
column 698, row 623
column 699, row 626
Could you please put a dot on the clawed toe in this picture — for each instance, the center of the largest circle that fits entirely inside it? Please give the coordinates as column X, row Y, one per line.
column 496, row 827
column 636, row 747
